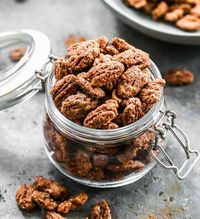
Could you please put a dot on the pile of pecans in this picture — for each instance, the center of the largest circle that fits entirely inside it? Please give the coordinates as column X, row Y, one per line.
column 56, row 199
column 184, row 14
column 102, row 85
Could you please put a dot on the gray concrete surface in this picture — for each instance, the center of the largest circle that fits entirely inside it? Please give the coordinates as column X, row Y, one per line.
column 22, row 156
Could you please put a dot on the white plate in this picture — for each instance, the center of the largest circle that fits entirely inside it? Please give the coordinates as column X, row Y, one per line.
column 143, row 23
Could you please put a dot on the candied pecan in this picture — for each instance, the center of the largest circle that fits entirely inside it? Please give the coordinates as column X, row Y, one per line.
column 61, row 68
column 127, row 166
column 24, row 197
column 132, row 57
column 101, row 211
column 189, row 22
column 100, row 160
column 17, row 54
column 148, row 8
column 195, row 11
column 55, row 189
column 43, row 200
column 53, row 215
column 96, row 174
column 132, row 81
column 72, row 39
column 116, row 97
column 95, row 92
column 103, row 42
column 150, row 93
column 139, row 146
column 111, row 125
column 102, row 149
column 102, row 59
column 81, row 164
column 77, row 106
column 174, row 15
column 136, row 3
column 106, row 72
column 111, row 50
column 81, row 55
column 120, row 44
column 72, row 203
column 64, row 88
column 102, row 115
column 179, row 76
column 160, row 10
column 133, row 111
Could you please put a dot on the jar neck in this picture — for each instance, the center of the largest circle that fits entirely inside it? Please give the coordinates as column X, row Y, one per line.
column 97, row 136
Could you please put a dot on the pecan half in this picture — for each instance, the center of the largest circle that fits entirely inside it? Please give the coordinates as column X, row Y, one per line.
column 55, row 189
column 43, row 200
column 195, row 11
column 103, row 42
column 97, row 173
column 77, row 106
column 101, row 211
column 53, row 215
column 64, row 88
column 102, row 149
column 72, row 203
column 120, row 44
column 106, row 72
column 24, row 197
column 189, row 22
column 132, row 112
column 102, row 115
column 160, row 10
column 102, row 59
column 133, row 165
column 61, row 68
column 179, row 76
column 100, row 160
column 17, row 54
column 132, row 81
column 111, row 50
column 174, row 15
column 136, row 3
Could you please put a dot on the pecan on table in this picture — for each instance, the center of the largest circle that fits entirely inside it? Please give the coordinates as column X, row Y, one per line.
column 101, row 210
column 43, row 200
column 189, row 22
column 24, row 197
column 102, row 115
column 72, row 203
column 179, row 76
column 132, row 81
column 61, row 68
column 82, row 55
column 53, row 215
column 64, row 88
column 77, row 106
column 55, row 189
column 106, row 72
column 160, row 10
column 17, row 54
column 133, row 111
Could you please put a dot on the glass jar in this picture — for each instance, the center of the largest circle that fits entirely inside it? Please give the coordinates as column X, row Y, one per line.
column 97, row 158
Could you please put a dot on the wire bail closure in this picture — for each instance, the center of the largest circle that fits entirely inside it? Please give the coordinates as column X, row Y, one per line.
column 161, row 131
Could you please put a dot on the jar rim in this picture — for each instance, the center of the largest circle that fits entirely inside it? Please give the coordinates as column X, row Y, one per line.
column 67, row 127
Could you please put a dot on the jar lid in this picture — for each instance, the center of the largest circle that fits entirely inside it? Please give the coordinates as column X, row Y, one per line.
column 18, row 81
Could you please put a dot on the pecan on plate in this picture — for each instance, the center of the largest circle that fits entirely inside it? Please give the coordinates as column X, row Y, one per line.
column 148, row 8
column 17, row 54
column 195, row 11
column 64, row 88
column 95, row 92
column 61, row 68
column 43, row 200
column 24, row 197
column 189, row 22
column 174, row 15
column 179, row 76
column 150, row 93
column 102, row 115
column 133, row 111
column 77, row 106
column 136, row 3
column 104, row 73
column 81, row 55
column 133, row 165
column 53, row 215
column 132, row 57
column 132, row 81
column 160, row 10
column 101, row 210
column 72, row 203
column 55, row 189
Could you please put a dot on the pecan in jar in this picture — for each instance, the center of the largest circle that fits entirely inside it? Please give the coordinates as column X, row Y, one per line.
column 136, row 3
column 160, row 10
column 43, row 200
column 55, row 189
column 106, row 72
column 189, row 23
column 17, row 54
column 24, row 197
column 77, row 106
column 101, row 210
column 72, row 203
column 53, row 215
column 102, row 149
column 179, row 76
column 97, row 173
column 61, row 68
column 102, row 115
column 100, row 160
column 132, row 81
column 64, row 88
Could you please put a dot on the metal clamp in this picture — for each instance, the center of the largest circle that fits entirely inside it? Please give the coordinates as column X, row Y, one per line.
column 161, row 130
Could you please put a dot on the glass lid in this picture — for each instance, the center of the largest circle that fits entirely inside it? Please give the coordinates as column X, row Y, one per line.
column 21, row 54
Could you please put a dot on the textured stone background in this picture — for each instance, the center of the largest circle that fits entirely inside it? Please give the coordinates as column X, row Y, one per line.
column 22, row 155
